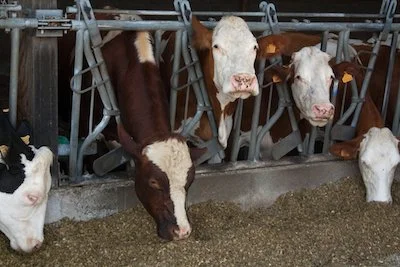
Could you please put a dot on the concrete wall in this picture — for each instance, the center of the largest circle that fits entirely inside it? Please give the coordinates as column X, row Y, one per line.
column 248, row 184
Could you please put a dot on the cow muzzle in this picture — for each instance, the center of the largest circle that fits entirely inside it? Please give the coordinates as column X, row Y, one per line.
column 30, row 245
column 244, row 85
column 174, row 232
column 323, row 111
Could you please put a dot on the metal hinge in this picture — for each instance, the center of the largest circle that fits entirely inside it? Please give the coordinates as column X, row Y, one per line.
column 51, row 23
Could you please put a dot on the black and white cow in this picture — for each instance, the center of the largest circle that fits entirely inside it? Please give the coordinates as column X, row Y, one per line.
column 25, row 181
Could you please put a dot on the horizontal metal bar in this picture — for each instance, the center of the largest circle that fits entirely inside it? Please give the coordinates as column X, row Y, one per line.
column 243, row 14
column 176, row 25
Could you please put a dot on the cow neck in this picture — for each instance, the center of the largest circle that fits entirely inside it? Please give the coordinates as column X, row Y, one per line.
column 220, row 102
column 141, row 96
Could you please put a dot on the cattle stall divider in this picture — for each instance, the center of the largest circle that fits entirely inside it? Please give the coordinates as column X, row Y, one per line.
column 87, row 28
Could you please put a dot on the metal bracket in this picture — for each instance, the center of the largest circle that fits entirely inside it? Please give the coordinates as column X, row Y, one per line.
column 183, row 7
column 5, row 7
column 51, row 23
column 270, row 17
column 389, row 9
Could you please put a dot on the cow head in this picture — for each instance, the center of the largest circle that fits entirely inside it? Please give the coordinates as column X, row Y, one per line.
column 164, row 171
column 23, row 212
column 378, row 157
column 310, row 75
column 232, row 48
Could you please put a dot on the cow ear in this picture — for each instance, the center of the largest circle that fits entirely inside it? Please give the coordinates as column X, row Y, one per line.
column 272, row 45
column 347, row 149
column 197, row 152
column 345, row 71
column 201, row 36
column 127, row 142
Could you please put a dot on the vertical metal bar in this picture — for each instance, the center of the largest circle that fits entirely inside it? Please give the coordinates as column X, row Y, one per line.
column 396, row 119
column 13, row 95
column 157, row 46
column 328, row 127
column 324, row 41
column 76, row 103
column 175, row 78
column 256, row 113
column 237, row 123
column 389, row 74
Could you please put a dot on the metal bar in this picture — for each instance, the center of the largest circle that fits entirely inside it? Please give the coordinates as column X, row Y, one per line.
column 175, row 78
column 175, row 25
column 13, row 95
column 236, row 130
column 389, row 75
column 75, row 110
column 241, row 14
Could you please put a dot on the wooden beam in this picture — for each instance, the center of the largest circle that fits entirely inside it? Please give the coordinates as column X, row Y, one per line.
column 38, row 89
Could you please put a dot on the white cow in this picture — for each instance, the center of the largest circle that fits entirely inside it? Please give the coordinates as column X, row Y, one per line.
column 22, row 212
column 378, row 159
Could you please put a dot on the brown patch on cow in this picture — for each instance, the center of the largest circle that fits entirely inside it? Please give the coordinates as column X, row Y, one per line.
column 285, row 44
column 348, row 149
column 201, row 36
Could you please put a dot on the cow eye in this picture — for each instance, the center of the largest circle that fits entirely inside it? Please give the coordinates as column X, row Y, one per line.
column 155, row 184
column 255, row 47
column 216, row 46
column 297, row 77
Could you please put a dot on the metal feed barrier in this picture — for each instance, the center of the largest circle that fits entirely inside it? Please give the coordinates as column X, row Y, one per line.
column 88, row 46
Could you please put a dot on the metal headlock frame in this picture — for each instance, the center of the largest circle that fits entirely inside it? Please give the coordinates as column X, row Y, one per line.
column 88, row 28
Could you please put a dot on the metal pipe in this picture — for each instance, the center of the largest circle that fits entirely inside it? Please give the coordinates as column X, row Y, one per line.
column 389, row 74
column 13, row 95
column 75, row 110
column 175, row 78
column 153, row 25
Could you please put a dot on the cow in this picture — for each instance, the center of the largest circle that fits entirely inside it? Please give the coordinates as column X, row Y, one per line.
column 25, row 182
column 164, row 168
column 228, row 69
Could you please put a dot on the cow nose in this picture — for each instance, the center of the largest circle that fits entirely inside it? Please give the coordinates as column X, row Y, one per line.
column 323, row 111
column 243, row 82
column 182, row 232
column 35, row 244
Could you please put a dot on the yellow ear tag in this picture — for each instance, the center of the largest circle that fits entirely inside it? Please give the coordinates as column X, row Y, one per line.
column 26, row 139
column 271, row 48
column 347, row 77
column 276, row 79
column 3, row 150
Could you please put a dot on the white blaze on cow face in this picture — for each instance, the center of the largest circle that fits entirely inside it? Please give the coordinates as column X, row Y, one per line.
column 312, row 78
column 23, row 212
column 173, row 158
column 234, row 51
column 378, row 159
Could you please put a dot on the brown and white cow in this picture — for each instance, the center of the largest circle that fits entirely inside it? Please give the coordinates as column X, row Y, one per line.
column 227, row 55
column 25, row 182
column 164, row 169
